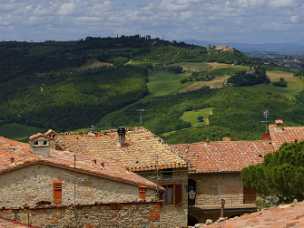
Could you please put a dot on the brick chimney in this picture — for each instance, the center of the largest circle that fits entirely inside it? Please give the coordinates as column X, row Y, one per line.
column 41, row 144
column 121, row 136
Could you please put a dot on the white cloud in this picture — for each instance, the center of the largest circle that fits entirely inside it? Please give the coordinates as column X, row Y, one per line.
column 173, row 19
column 295, row 19
column 282, row 3
column 66, row 8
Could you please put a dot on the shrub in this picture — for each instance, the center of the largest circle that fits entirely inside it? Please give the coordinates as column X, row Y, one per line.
column 300, row 74
column 281, row 83
column 184, row 80
column 174, row 69
column 200, row 119
column 201, row 76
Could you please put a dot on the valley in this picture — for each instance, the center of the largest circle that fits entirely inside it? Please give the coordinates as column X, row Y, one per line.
column 103, row 82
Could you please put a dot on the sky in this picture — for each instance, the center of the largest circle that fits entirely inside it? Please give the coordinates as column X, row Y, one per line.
column 242, row 21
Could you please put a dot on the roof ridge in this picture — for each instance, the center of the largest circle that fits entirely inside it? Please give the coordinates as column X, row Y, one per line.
column 65, row 159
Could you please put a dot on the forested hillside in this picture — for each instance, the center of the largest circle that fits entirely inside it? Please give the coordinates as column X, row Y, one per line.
column 103, row 82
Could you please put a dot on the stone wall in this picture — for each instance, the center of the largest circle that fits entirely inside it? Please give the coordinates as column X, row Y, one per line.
column 211, row 188
column 90, row 216
column 172, row 215
column 33, row 185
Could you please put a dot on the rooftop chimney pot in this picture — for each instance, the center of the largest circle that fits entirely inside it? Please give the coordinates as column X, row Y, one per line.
column 121, row 136
column 279, row 122
column 41, row 144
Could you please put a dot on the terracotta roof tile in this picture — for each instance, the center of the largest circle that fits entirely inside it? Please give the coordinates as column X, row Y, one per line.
column 280, row 135
column 223, row 156
column 14, row 155
column 291, row 215
column 142, row 150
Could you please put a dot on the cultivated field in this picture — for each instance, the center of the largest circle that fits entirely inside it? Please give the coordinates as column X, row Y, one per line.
column 192, row 116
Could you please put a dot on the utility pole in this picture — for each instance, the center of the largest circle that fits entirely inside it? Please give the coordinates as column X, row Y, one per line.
column 266, row 121
column 74, row 204
column 141, row 111
column 222, row 207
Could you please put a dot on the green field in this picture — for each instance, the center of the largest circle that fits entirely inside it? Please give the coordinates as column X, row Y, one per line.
column 221, row 71
column 295, row 84
column 162, row 83
column 192, row 117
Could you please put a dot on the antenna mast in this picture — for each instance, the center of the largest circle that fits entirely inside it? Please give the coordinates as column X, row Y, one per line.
column 266, row 121
column 141, row 111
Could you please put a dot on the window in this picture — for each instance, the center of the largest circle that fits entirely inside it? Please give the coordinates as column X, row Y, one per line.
column 57, row 192
column 249, row 195
column 142, row 193
column 168, row 196
column 172, row 194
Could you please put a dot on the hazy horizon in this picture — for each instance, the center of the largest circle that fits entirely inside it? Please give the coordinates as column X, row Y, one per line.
column 220, row 21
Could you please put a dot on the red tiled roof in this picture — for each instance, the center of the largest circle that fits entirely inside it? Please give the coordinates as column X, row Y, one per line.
column 291, row 215
column 141, row 152
column 280, row 135
column 14, row 155
column 223, row 156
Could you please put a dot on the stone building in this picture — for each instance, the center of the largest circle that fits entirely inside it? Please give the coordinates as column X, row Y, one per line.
column 214, row 177
column 43, row 186
column 215, row 167
column 140, row 151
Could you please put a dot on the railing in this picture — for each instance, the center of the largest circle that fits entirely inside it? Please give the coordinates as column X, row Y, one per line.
column 216, row 203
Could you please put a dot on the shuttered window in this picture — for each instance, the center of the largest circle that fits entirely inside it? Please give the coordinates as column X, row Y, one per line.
column 178, row 194
column 142, row 193
column 249, row 195
column 173, row 194
column 57, row 192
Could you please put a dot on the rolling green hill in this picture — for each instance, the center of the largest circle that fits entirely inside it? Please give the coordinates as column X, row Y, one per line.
column 104, row 81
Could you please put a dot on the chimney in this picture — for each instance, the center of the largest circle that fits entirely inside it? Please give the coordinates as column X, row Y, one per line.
column 279, row 122
column 121, row 136
column 41, row 144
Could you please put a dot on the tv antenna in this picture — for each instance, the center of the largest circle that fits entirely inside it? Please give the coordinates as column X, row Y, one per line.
column 266, row 121
column 141, row 112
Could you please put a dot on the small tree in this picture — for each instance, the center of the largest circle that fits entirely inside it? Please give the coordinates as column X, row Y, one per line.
column 281, row 175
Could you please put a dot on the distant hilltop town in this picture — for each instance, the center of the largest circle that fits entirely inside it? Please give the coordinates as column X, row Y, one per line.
column 224, row 48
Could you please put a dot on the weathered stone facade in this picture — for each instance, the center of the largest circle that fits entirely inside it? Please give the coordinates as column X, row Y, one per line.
column 90, row 216
column 212, row 188
column 172, row 215
column 34, row 184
